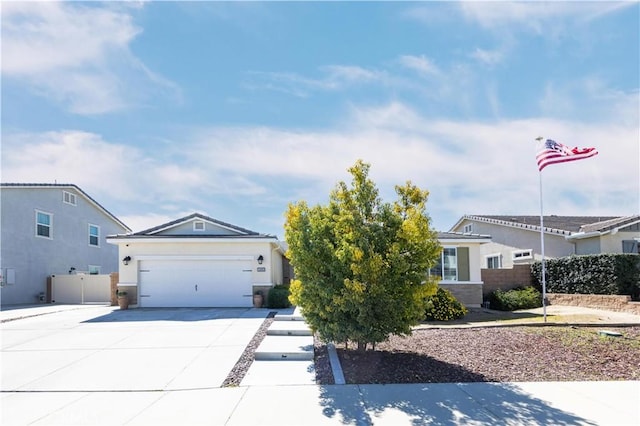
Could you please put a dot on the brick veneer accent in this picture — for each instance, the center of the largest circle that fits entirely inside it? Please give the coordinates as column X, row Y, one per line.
column 596, row 301
column 505, row 279
column 469, row 295
column 115, row 277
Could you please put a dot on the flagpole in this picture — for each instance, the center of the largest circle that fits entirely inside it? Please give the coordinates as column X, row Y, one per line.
column 544, row 278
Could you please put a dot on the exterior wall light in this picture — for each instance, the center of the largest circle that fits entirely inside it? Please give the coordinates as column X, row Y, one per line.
column 126, row 260
column 260, row 260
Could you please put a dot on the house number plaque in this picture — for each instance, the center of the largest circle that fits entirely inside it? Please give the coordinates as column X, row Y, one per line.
column 262, row 269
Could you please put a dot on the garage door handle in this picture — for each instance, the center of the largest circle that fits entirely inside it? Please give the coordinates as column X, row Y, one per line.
column 196, row 287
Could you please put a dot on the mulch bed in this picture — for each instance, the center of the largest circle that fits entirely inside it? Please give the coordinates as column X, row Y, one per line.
column 496, row 354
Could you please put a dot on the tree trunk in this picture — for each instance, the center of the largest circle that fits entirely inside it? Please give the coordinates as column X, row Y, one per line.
column 362, row 346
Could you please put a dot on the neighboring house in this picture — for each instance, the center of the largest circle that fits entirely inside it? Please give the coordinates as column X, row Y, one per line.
column 49, row 229
column 459, row 267
column 198, row 261
column 516, row 239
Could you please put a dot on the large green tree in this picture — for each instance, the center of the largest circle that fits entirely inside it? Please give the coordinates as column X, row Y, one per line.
column 362, row 265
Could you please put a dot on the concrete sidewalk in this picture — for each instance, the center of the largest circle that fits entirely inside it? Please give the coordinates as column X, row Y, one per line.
column 88, row 365
column 563, row 403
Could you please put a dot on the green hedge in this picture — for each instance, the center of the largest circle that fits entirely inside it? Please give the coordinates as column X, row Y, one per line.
column 278, row 297
column 591, row 274
column 443, row 306
column 518, row 298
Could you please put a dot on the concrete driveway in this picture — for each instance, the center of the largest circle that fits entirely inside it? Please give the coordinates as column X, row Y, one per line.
column 106, row 349
column 84, row 365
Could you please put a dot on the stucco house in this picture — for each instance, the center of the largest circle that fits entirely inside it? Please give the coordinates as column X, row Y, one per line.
column 460, row 267
column 516, row 239
column 198, row 261
column 49, row 229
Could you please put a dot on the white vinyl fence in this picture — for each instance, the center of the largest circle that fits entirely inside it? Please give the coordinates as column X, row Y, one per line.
column 81, row 289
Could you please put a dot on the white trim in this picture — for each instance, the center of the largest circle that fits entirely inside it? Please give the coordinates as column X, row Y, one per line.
column 196, row 257
column 458, row 241
column 460, row 282
column 523, row 251
column 155, row 240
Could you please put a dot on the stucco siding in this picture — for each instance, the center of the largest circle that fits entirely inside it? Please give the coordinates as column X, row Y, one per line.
column 612, row 243
column 172, row 250
column 588, row 246
column 34, row 258
column 505, row 240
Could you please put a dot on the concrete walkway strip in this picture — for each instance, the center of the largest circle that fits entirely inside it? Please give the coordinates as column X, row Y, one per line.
column 336, row 367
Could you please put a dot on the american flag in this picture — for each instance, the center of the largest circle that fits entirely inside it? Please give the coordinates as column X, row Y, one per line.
column 552, row 152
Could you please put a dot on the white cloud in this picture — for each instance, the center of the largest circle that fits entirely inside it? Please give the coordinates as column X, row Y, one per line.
column 335, row 77
column 233, row 173
column 539, row 17
column 421, row 64
column 488, row 57
column 77, row 55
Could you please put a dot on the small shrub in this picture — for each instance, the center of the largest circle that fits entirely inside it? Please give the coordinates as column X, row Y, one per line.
column 278, row 297
column 518, row 298
column 443, row 306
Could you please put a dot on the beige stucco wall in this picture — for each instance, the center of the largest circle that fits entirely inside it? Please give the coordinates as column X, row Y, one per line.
column 612, row 243
column 175, row 250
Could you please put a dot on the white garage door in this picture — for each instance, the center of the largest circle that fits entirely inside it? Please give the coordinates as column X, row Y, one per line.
column 195, row 283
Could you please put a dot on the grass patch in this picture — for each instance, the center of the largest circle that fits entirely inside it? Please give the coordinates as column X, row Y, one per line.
column 588, row 339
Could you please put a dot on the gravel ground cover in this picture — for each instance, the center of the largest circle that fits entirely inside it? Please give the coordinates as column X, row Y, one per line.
column 239, row 370
column 495, row 354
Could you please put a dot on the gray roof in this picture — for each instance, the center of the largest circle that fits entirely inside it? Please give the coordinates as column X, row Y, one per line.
column 565, row 225
column 153, row 232
column 610, row 224
column 67, row 185
column 196, row 216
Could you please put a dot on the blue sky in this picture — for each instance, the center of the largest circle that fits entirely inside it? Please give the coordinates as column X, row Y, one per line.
column 161, row 109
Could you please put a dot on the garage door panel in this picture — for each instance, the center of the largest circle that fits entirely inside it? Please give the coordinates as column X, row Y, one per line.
column 195, row 283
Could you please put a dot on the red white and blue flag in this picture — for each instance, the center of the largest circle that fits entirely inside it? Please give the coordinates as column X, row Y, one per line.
column 552, row 152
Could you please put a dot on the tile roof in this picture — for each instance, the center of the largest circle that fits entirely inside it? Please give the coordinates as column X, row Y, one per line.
column 66, row 185
column 610, row 224
column 565, row 225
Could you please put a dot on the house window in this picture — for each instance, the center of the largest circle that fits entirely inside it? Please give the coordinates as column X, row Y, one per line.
column 468, row 229
column 94, row 270
column 198, row 226
column 94, row 235
column 522, row 254
column 44, row 223
column 494, row 261
column 630, row 246
column 69, row 198
column 447, row 268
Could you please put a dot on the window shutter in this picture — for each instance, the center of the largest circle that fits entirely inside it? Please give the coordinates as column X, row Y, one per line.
column 463, row 264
